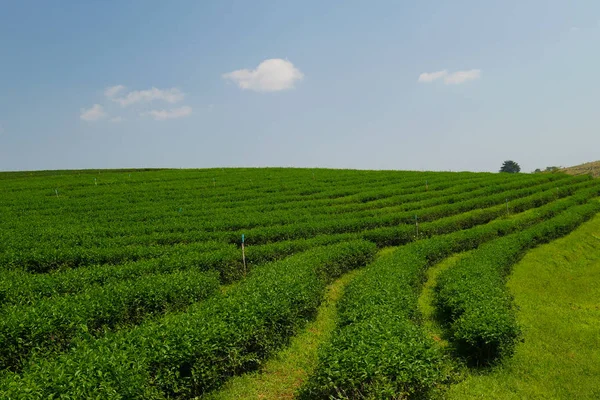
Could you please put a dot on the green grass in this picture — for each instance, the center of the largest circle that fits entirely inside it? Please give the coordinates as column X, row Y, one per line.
column 426, row 299
column 557, row 289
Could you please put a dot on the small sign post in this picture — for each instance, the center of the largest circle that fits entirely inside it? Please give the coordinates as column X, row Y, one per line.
column 417, row 225
column 56, row 191
column 244, row 253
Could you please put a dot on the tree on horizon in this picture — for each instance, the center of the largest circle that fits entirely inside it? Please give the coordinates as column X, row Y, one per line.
column 510, row 167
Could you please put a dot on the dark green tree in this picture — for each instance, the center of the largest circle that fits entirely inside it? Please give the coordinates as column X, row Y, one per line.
column 510, row 167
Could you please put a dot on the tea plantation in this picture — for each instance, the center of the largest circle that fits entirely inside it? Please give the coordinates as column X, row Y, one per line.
column 133, row 284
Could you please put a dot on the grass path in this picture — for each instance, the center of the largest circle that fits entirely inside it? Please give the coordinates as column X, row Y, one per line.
column 426, row 298
column 557, row 289
column 284, row 373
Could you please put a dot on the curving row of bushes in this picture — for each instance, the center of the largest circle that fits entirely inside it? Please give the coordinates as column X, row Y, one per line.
column 133, row 239
column 52, row 325
column 402, row 234
column 23, row 289
column 187, row 354
column 379, row 349
column 392, row 218
column 472, row 296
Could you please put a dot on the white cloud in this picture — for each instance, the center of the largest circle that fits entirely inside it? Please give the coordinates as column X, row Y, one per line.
column 172, row 95
column 112, row 91
column 459, row 77
column 161, row 115
column 427, row 77
column 93, row 114
column 117, row 119
column 270, row 76
column 453, row 78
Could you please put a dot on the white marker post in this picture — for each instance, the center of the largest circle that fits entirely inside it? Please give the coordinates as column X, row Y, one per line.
column 417, row 225
column 426, row 186
column 95, row 182
column 244, row 254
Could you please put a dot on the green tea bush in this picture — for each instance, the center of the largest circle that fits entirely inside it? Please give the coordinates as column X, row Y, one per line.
column 472, row 296
column 53, row 324
column 188, row 354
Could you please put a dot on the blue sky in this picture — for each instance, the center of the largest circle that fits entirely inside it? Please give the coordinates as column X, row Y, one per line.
column 422, row 85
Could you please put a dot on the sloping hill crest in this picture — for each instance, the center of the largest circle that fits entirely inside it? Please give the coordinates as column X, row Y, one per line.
column 590, row 168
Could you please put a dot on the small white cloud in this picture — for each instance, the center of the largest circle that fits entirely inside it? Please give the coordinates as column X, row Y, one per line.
column 93, row 114
column 112, row 91
column 459, row 77
column 117, row 119
column 172, row 95
column 270, row 76
column 453, row 78
column 427, row 77
column 161, row 115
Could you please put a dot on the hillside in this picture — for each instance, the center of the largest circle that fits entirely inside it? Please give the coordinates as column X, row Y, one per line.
column 172, row 283
column 556, row 289
column 590, row 168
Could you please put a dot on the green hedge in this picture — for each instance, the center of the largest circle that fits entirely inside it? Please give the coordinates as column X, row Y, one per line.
column 472, row 296
column 379, row 349
column 53, row 324
column 402, row 234
column 183, row 355
column 19, row 288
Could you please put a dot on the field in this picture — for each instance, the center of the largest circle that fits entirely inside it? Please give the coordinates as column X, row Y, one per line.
column 134, row 284
column 557, row 289
column 590, row 168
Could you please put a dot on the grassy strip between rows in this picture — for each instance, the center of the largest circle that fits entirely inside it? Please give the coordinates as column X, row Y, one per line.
column 283, row 374
column 472, row 297
column 557, row 290
column 380, row 350
column 183, row 355
column 426, row 302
